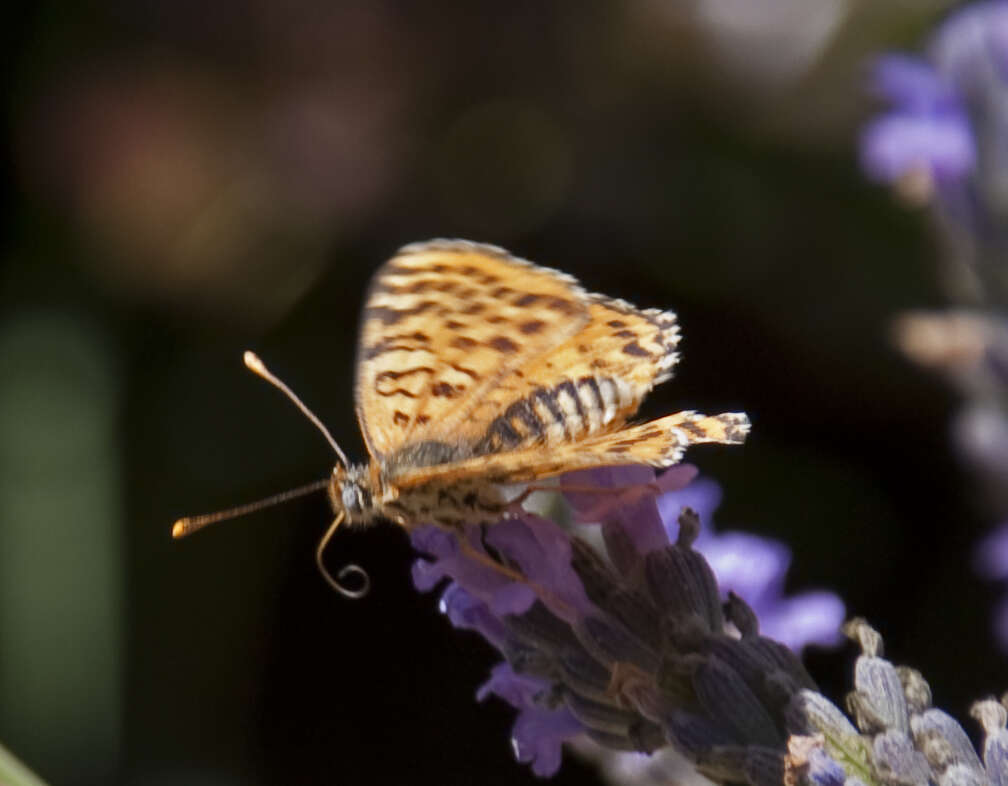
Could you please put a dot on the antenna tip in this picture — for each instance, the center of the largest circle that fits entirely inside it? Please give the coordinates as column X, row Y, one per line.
column 180, row 528
column 253, row 362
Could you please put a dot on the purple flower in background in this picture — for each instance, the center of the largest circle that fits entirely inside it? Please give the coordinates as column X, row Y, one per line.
column 628, row 640
column 991, row 560
column 926, row 132
column 945, row 133
column 755, row 568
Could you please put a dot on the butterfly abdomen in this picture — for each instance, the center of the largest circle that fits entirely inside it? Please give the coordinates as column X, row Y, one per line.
column 566, row 411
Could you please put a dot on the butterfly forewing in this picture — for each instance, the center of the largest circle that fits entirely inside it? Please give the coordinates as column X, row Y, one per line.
column 445, row 327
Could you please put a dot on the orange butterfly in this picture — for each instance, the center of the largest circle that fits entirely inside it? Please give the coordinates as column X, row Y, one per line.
column 477, row 369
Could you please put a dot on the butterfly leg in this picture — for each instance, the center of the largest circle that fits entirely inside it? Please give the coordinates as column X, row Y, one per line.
column 515, row 575
column 487, row 558
column 484, row 532
column 563, row 488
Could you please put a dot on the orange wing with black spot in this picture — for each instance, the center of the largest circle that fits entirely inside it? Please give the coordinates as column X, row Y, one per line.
column 444, row 323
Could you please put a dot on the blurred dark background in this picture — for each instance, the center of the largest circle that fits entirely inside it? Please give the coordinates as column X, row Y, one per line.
column 187, row 180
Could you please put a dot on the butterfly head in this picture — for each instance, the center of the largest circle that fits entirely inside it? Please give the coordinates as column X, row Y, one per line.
column 350, row 493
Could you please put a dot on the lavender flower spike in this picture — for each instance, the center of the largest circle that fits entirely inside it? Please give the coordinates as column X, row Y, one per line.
column 898, row 738
column 627, row 642
column 755, row 569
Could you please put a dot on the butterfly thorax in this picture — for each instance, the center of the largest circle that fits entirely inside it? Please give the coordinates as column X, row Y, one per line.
column 365, row 493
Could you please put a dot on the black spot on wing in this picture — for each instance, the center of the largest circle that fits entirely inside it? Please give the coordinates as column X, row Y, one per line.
column 463, row 370
column 463, row 343
column 563, row 306
column 445, row 390
column 503, row 344
column 693, row 428
column 390, row 316
column 411, row 342
column 385, row 382
column 400, row 374
column 635, row 349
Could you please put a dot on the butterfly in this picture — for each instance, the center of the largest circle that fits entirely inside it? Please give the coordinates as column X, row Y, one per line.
column 477, row 370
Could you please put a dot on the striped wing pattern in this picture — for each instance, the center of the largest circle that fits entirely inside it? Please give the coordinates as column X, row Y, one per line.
column 657, row 443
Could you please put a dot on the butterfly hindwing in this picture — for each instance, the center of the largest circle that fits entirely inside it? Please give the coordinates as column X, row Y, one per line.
column 658, row 443
column 589, row 384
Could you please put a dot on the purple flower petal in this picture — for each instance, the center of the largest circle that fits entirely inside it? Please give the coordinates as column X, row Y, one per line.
column 542, row 551
column 634, row 508
column 971, row 47
column 991, row 556
column 518, row 690
column 912, row 85
column 808, row 618
column 602, row 478
column 823, row 770
column 587, row 506
column 467, row 613
column 754, row 568
column 751, row 566
column 538, row 736
column 1001, row 623
column 538, row 733
column 899, row 144
column 702, row 495
column 500, row 593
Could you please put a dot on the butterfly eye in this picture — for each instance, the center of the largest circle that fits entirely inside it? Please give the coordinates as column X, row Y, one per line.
column 351, row 498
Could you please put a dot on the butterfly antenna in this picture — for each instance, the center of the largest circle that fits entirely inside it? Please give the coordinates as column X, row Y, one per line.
column 256, row 366
column 356, row 587
column 190, row 524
